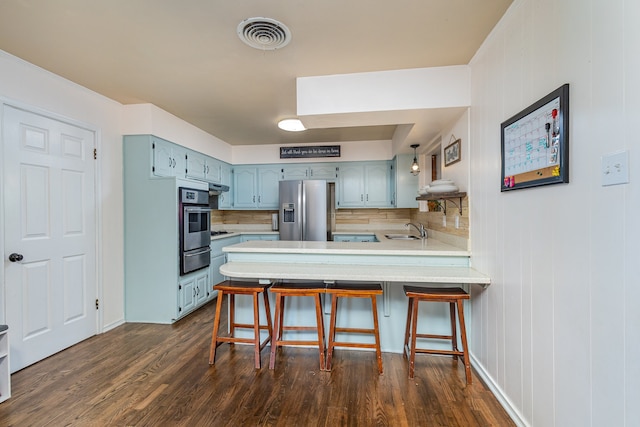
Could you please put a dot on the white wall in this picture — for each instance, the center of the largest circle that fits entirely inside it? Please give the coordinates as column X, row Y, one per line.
column 142, row 119
column 556, row 333
column 32, row 86
column 457, row 172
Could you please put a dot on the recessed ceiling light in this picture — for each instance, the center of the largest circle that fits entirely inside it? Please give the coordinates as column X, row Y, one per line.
column 291, row 125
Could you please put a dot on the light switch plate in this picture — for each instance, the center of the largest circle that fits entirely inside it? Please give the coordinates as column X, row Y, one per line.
column 615, row 168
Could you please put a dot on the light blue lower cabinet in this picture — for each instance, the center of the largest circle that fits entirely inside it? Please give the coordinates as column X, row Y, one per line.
column 217, row 259
column 186, row 295
column 193, row 291
column 215, row 275
column 249, row 237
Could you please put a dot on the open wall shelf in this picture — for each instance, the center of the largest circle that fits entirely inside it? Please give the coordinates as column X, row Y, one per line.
column 452, row 197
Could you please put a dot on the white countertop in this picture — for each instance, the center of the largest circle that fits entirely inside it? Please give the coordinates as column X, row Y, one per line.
column 428, row 247
column 423, row 261
column 332, row 272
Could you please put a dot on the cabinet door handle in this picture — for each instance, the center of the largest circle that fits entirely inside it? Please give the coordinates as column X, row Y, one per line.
column 259, row 199
column 361, row 198
column 254, row 199
column 367, row 197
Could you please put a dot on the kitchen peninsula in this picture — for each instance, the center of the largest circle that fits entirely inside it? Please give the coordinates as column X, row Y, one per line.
column 390, row 262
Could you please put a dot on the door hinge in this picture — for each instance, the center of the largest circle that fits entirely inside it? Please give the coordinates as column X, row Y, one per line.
column 97, row 304
column 95, row 153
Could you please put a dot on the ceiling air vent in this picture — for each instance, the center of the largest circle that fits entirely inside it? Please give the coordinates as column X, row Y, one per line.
column 264, row 33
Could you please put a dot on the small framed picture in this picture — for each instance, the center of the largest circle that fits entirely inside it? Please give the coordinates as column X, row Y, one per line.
column 452, row 153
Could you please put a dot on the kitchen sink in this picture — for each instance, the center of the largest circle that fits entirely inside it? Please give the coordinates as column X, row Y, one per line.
column 401, row 237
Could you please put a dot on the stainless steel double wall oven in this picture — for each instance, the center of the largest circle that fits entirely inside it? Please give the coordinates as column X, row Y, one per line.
column 194, row 221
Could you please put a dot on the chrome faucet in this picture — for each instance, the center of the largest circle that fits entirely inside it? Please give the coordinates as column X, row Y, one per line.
column 421, row 230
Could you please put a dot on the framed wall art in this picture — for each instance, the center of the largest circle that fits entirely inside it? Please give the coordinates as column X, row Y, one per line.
column 452, row 153
column 535, row 143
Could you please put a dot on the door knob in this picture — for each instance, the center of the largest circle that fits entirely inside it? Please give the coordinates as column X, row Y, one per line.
column 15, row 257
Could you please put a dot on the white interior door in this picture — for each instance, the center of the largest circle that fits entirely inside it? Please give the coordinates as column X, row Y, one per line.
column 50, row 228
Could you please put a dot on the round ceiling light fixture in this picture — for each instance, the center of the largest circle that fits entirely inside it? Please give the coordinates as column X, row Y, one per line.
column 291, row 125
column 264, row 33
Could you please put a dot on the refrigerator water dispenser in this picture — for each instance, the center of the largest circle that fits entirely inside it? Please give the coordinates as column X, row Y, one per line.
column 288, row 212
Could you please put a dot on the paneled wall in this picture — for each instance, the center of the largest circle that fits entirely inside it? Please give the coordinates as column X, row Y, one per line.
column 556, row 333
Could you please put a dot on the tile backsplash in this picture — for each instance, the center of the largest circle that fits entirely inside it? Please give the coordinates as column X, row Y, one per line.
column 359, row 219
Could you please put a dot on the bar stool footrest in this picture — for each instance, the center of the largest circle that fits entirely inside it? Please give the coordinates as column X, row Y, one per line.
column 354, row 344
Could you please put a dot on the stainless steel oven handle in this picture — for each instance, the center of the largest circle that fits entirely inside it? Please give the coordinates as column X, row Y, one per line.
column 198, row 253
column 197, row 210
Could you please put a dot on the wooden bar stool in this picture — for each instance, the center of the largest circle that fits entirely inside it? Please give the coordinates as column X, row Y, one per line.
column 307, row 289
column 356, row 290
column 233, row 288
column 455, row 297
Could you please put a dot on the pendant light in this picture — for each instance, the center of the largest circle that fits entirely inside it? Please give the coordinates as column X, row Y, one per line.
column 415, row 167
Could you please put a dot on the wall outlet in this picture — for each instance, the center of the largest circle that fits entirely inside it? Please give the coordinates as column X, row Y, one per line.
column 615, row 168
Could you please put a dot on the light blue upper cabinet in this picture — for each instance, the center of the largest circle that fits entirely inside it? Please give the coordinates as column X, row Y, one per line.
column 377, row 179
column 202, row 167
column 290, row 172
column 168, row 159
column 245, row 187
column 328, row 171
column 351, row 186
column 404, row 183
column 256, row 187
column 213, row 169
column 268, row 187
column 364, row 185
column 225, row 200
column 196, row 165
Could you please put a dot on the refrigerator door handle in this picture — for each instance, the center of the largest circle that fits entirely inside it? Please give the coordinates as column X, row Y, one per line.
column 302, row 210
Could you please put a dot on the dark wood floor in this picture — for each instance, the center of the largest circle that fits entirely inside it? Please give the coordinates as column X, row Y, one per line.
column 158, row 375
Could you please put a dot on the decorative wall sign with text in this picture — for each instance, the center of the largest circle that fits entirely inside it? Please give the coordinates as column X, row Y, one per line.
column 309, row 152
column 535, row 143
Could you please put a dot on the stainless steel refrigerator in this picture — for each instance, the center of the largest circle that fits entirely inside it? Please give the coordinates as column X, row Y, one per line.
column 305, row 210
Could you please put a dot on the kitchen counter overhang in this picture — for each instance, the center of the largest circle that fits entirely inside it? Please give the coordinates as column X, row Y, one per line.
column 391, row 263
column 424, row 261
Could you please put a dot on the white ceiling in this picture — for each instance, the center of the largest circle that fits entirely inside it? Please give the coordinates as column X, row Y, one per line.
column 186, row 58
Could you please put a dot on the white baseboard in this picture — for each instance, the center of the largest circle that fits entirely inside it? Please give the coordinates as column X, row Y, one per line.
column 498, row 393
column 113, row 325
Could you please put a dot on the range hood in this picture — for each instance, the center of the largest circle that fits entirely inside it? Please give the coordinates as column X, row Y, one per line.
column 216, row 189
